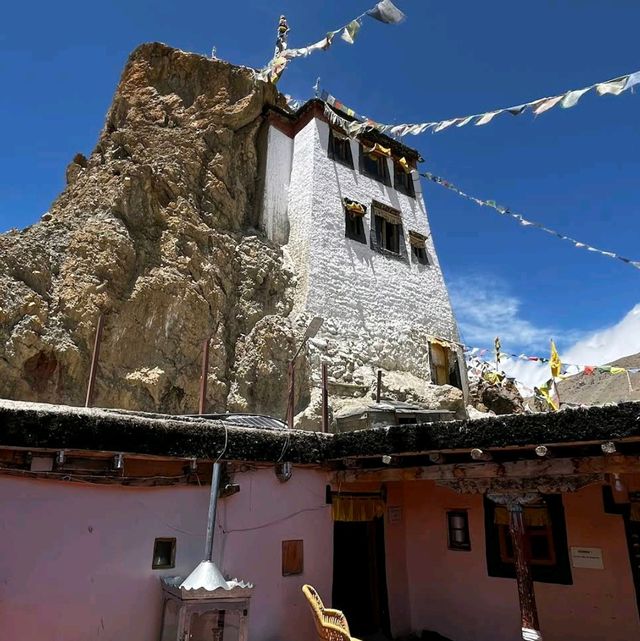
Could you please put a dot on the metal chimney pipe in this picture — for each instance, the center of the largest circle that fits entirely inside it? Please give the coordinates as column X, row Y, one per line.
column 213, row 506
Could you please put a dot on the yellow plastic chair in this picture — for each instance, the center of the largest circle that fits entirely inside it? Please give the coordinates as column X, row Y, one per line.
column 331, row 625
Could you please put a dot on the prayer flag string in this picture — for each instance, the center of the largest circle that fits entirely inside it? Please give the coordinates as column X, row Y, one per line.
column 566, row 100
column 384, row 11
column 505, row 211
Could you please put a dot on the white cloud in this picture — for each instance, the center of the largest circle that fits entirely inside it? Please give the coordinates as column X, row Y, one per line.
column 485, row 308
column 608, row 344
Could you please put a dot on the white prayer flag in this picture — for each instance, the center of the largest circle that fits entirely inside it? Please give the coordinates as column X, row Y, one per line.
column 487, row 118
column 615, row 87
column 571, row 98
column 547, row 104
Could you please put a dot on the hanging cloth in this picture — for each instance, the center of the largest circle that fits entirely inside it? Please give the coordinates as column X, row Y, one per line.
column 390, row 215
column 404, row 165
column 353, row 207
column 355, row 508
column 534, row 516
column 418, row 240
column 377, row 150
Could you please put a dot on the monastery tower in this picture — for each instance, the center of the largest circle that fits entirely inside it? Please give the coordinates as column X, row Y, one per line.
column 351, row 217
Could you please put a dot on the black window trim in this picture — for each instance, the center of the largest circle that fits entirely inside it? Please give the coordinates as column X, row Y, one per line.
column 172, row 561
column 453, row 545
column 410, row 190
column 384, row 179
column 560, row 573
column 347, row 162
column 360, row 236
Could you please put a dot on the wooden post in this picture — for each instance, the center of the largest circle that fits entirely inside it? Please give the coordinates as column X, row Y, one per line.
column 379, row 386
column 291, row 397
column 204, row 375
column 94, row 362
column 526, row 594
column 325, row 399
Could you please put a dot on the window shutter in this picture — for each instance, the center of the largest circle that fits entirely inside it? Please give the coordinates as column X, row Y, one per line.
column 292, row 557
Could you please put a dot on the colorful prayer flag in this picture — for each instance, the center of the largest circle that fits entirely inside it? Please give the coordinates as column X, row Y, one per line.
column 554, row 362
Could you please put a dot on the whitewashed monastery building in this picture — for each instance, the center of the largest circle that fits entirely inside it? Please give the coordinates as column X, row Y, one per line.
column 351, row 216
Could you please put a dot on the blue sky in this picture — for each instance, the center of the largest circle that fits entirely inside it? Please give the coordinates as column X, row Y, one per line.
column 574, row 170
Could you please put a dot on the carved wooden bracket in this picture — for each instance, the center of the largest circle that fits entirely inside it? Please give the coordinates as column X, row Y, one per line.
column 522, row 486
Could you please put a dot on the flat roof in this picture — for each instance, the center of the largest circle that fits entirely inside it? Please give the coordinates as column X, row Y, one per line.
column 42, row 426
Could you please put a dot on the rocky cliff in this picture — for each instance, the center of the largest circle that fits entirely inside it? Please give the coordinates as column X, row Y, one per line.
column 155, row 230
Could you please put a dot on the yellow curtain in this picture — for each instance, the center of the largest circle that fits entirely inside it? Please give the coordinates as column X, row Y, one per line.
column 533, row 516
column 378, row 150
column 404, row 165
column 356, row 508
column 354, row 207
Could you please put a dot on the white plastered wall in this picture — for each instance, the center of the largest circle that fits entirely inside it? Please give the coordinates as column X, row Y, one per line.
column 379, row 311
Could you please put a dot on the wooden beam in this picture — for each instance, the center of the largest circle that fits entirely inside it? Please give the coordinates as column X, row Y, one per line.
column 614, row 464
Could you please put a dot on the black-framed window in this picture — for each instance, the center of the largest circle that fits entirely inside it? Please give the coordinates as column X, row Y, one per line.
column 387, row 234
column 164, row 554
column 545, row 541
column 374, row 165
column 419, row 255
column 354, row 220
column 418, row 248
column 403, row 181
column 340, row 149
column 458, row 529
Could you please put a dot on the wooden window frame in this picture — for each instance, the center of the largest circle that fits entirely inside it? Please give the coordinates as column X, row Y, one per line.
column 545, row 531
column 340, row 150
column 172, row 562
column 455, row 545
column 555, row 570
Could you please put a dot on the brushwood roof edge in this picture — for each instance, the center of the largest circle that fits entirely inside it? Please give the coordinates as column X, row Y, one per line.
column 43, row 426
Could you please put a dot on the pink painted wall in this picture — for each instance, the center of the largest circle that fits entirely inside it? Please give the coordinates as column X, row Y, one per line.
column 76, row 559
column 451, row 593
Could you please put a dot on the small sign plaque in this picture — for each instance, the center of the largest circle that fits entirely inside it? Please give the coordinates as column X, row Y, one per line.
column 395, row 514
column 587, row 558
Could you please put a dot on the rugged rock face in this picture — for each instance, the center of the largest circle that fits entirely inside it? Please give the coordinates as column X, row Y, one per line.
column 157, row 232
column 154, row 231
column 501, row 398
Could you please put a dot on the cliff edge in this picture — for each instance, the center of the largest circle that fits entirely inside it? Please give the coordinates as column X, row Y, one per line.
column 156, row 231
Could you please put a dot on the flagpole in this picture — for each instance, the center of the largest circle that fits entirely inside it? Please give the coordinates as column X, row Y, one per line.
column 552, row 363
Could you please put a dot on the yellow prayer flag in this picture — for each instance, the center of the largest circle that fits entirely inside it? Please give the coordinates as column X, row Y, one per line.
column 555, row 363
column 544, row 391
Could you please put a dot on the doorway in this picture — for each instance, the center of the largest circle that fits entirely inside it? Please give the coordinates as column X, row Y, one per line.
column 360, row 577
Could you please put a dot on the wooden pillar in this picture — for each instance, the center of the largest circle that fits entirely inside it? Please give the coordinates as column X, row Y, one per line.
column 530, row 626
column 526, row 594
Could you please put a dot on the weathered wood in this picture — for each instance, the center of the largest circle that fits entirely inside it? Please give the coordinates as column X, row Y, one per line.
column 526, row 594
column 514, row 469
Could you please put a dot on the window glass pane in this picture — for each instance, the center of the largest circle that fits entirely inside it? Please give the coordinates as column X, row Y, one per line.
column 457, row 521
column 539, row 545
